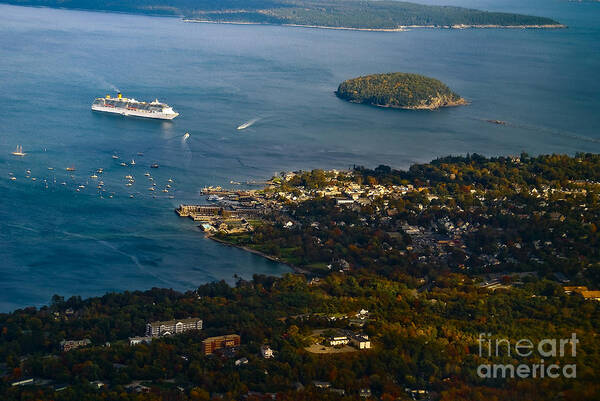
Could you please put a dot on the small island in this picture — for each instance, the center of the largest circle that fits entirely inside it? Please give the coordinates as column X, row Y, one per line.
column 399, row 90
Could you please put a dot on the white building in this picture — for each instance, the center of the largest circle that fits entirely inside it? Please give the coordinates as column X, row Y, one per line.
column 360, row 341
column 157, row 329
column 266, row 352
column 139, row 340
column 338, row 340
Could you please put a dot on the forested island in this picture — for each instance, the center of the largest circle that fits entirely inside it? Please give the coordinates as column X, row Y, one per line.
column 353, row 14
column 399, row 90
column 417, row 263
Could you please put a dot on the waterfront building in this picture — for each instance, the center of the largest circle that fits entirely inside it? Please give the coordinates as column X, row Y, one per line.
column 170, row 327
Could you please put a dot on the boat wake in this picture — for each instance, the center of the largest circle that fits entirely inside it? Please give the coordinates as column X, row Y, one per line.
column 248, row 124
column 134, row 259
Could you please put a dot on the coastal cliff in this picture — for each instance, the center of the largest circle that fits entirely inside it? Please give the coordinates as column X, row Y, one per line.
column 399, row 90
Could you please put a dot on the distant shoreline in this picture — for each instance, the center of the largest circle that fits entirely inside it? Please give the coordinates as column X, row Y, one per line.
column 403, row 28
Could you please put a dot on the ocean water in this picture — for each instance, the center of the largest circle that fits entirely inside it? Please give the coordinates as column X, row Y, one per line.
column 67, row 239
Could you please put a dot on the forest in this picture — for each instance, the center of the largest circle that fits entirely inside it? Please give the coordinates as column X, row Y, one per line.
column 343, row 13
column 399, row 90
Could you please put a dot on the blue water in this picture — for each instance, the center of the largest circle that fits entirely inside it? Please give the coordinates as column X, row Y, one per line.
column 54, row 62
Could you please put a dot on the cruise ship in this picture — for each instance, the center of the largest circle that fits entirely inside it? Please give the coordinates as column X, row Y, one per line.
column 131, row 107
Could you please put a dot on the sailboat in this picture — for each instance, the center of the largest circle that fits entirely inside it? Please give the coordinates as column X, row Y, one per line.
column 19, row 151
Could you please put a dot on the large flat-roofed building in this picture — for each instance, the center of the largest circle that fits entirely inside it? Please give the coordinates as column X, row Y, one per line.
column 170, row 327
column 212, row 344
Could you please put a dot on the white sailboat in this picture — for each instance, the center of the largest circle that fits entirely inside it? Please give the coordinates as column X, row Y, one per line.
column 19, row 151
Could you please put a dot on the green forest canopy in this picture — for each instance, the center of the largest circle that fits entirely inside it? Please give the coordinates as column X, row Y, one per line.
column 344, row 13
column 396, row 89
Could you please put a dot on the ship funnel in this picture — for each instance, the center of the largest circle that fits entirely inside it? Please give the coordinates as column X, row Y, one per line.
column 119, row 95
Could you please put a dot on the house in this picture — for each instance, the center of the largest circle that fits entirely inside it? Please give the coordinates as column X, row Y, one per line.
column 583, row 290
column 570, row 289
column 68, row 345
column 23, row 382
column 360, row 341
column 266, row 352
column 241, row 361
column 343, row 201
column 167, row 328
column 591, row 295
column 140, row 340
column 212, row 344
column 136, row 387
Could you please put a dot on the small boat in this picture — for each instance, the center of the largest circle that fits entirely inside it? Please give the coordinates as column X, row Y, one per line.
column 93, row 176
column 131, row 196
column 151, row 189
column 140, row 154
column 165, row 190
column 129, row 177
column 100, row 171
column 186, row 136
column 170, row 180
column 13, row 178
column 50, row 168
column 82, row 186
column 123, row 164
column 147, row 174
column 132, row 162
column 70, row 168
column 154, row 165
column 215, row 198
column 128, row 184
column 115, row 157
column 19, row 151
column 168, row 186
column 33, row 179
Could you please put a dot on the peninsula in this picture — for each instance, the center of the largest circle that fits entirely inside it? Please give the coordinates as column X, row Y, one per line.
column 399, row 90
column 348, row 14
column 403, row 271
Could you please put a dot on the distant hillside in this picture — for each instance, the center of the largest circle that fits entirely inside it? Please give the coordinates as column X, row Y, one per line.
column 327, row 13
column 399, row 90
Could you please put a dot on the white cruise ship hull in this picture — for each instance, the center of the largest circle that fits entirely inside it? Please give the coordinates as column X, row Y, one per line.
column 135, row 113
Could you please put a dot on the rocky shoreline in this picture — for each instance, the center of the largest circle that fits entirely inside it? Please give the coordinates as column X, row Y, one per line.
column 402, row 28
column 436, row 103
column 296, row 269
